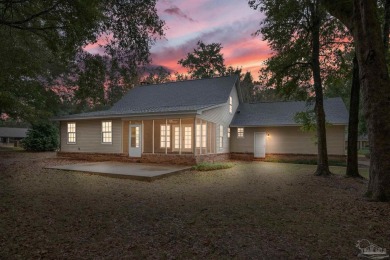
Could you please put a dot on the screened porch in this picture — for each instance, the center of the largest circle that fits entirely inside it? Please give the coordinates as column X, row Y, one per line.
column 169, row 136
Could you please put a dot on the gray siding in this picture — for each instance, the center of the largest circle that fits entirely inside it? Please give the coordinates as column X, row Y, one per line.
column 288, row 140
column 88, row 137
column 221, row 116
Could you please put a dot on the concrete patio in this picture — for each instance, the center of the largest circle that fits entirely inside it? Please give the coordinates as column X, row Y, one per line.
column 135, row 171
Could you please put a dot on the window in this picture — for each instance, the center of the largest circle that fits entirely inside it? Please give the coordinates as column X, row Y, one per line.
column 71, row 133
column 106, row 132
column 201, row 135
column 187, row 137
column 240, row 132
column 165, row 133
column 135, row 138
column 220, row 136
column 177, row 137
column 229, row 132
column 230, row 104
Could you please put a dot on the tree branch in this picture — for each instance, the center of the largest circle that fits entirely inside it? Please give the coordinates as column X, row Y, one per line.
column 26, row 20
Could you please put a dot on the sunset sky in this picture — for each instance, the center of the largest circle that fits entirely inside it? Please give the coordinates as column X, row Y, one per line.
column 229, row 22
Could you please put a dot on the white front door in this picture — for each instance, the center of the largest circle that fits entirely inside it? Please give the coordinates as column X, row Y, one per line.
column 135, row 138
column 259, row 151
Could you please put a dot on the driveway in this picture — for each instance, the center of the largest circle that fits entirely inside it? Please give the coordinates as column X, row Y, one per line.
column 137, row 171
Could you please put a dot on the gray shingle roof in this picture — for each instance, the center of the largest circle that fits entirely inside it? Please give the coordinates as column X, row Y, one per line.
column 282, row 113
column 182, row 96
column 13, row 132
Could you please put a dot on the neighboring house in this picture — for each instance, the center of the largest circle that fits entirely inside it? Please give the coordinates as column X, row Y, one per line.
column 10, row 134
column 191, row 121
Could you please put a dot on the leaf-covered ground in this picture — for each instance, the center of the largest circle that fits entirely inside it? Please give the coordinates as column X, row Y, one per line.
column 253, row 210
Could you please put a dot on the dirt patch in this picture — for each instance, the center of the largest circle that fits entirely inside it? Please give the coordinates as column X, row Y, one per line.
column 254, row 210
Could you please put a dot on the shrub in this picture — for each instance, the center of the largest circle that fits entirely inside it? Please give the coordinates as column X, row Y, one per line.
column 41, row 137
column 212, row 166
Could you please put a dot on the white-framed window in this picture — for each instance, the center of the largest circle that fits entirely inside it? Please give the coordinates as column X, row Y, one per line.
column 106, row 132
column 135, row 136
column 187, row 137
column 71, row 133
column 165, row 136
column 201, row 135
column 177, row 137
column 240, row 132
column 228, row 132
column 221, row 136
column 230, row 104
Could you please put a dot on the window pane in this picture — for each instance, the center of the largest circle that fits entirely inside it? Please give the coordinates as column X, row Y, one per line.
column 106, row 132
column 204, row 135
column 71, row 132
column 177, row 137
column 198, row 134
column 133, row 137
column 187, row 138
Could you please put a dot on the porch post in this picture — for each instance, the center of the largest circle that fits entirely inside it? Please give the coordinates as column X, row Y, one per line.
column 153, row 137
column 142, row 141
column 166, row 130
column 208, row 149
column 194, row 148
column 201, row 137
column 180, row 136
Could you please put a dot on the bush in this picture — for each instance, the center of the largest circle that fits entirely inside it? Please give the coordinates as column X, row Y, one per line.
column 41, row 137
column 212, row 166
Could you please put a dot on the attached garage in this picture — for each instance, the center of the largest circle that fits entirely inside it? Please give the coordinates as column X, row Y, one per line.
column 262, row 129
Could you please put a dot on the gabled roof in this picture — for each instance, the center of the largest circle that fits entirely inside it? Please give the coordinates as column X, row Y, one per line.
column 282, row 113
column 13, row 132
column 190, row 96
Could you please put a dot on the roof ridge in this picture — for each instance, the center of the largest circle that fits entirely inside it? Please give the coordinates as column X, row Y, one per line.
column 286, row 101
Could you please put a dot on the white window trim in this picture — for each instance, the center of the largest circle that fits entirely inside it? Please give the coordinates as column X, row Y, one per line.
column 188, row 138
column 228, row 132
column 201, row 135
column 103, row 121
column 243, row 132
column 166, row 136
column 220, row 136
column 67, row 133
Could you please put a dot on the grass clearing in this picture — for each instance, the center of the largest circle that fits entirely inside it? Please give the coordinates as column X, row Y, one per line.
column 253, row 210
column 305, row 161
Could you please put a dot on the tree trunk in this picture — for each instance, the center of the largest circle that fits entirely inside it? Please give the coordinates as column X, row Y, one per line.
column 376, row 95
column 322, row 157
column 353, row 124
column 386, row 26
column 360, row 16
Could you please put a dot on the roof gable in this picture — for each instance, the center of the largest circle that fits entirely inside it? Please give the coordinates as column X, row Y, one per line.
column 188, row 96
column 282, row 113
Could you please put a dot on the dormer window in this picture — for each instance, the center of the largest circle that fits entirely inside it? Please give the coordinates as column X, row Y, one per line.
column 230, row 104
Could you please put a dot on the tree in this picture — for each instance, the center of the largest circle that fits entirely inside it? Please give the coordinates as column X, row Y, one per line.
column 90, row 82
column 41, row 137
column 247, row 87
column 158, row 75
column 353, row 123
column 40, row 39
column 302, row 35
column 206, row 61
column 361, row 18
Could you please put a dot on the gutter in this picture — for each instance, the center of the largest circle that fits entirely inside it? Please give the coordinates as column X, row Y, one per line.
column 192, row 112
